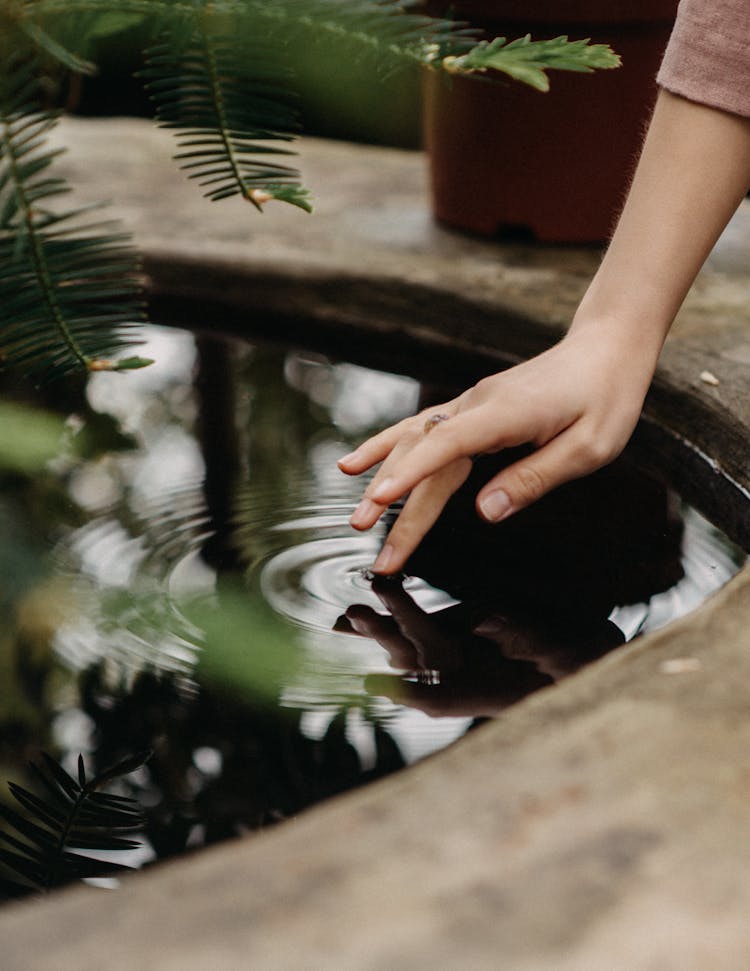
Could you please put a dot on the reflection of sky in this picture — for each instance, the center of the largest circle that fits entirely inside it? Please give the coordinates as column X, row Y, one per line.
column 132, row 397
column 131, row 494
column 358, row 400
column 708, row 562
column 315, row 570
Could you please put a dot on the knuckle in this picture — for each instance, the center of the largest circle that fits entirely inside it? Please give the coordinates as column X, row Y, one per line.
column 446, row 438
column 528, row 484
column 593, row 451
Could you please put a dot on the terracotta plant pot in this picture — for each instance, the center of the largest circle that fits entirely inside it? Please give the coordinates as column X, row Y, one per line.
column 504, row 156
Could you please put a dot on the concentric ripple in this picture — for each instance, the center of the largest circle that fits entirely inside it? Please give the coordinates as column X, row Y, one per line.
column 129, row 572
column 307, row 561
column 315, row 568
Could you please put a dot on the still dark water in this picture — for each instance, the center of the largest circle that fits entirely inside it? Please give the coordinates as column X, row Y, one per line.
column 184, row 579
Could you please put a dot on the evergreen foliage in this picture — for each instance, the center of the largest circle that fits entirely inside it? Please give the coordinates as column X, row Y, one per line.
column 221, row 75
column 68, row 286
column 528, row 60
column 73, row 815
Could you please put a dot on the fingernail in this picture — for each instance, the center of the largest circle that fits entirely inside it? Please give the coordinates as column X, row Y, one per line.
column 345, row 459
column 363, row 513
column 496, row 506
column 384, row 560
column 382, row 489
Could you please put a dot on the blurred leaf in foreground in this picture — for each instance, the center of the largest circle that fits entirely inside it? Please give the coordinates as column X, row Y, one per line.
column 249, row 651
column 29, row 437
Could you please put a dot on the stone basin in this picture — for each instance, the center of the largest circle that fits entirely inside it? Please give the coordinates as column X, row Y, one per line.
column 602, row 823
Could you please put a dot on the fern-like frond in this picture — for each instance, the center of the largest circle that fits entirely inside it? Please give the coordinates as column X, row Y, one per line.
column 527, row 60
column 72, row 815
column 230, row 104
column 385, row 34
column 57, row 51
column 71, row 40
column 388, row 32
column 69, row 295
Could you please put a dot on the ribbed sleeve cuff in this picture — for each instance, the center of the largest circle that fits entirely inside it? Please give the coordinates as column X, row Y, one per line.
column 708, row 55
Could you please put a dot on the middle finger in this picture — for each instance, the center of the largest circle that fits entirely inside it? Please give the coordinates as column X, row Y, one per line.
column 419, row 514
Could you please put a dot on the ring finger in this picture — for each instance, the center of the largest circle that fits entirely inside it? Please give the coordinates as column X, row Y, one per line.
column 368, row 512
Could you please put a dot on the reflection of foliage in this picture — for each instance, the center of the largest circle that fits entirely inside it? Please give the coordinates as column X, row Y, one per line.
column 72, row 815
column 266, row 768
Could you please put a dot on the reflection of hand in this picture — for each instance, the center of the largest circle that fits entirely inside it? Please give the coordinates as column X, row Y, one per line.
column 450, row 670
column 577, row 403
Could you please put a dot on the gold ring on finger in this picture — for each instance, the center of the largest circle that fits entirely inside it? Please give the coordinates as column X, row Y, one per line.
column 434, row 420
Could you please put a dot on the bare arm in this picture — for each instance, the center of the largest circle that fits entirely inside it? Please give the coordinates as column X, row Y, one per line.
column 579, row 401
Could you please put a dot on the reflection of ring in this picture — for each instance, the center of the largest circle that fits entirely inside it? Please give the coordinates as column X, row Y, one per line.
column 434, row 420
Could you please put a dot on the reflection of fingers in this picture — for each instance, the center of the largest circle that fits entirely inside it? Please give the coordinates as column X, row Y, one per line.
column 418, row 626
column 385, row 631
column 364, row 620
column 419, row 513
column 435, row 700
column 521, row 484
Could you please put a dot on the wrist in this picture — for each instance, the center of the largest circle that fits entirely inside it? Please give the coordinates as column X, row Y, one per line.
column 622, row 353
column 627, row 336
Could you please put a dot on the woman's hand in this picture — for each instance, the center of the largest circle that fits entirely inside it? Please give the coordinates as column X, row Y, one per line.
column 577, row 403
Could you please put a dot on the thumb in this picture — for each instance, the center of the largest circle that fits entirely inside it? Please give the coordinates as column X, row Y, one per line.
column 564, row 458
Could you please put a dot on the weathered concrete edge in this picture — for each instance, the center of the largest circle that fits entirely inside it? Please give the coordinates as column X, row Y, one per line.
column 357, row 310
column 426, row 839
column 641, row 775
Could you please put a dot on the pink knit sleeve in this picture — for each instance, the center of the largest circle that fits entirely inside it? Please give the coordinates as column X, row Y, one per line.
column 708, row 56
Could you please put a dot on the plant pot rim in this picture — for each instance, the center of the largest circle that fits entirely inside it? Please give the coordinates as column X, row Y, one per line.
column 528, row 12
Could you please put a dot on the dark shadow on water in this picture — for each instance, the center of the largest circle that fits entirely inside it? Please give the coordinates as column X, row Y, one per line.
column 535, row 592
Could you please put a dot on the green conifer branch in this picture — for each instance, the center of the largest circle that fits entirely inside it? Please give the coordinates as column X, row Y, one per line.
column 527, row 60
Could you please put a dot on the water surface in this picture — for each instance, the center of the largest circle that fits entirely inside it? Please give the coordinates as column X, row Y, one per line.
column 197, row 590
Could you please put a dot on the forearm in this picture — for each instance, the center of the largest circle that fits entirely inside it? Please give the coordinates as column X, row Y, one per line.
column 578, row 402
column 693, row 173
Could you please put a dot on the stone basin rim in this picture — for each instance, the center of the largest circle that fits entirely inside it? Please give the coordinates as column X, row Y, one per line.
column 594, row 758
column 687, row 436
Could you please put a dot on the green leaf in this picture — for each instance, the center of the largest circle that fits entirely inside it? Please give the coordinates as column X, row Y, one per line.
column 55, row 50
column 527, row 60
column 29, row 437
column 229, row 103
column 131, row 363
column 69, row 289
column 113, row 22
column 247, row 651
column 123, row 767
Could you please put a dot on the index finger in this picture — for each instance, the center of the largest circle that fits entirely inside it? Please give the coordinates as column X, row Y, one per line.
column 459, row 437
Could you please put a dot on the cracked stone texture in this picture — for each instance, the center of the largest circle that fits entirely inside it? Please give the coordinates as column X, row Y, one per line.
column 602, row 823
